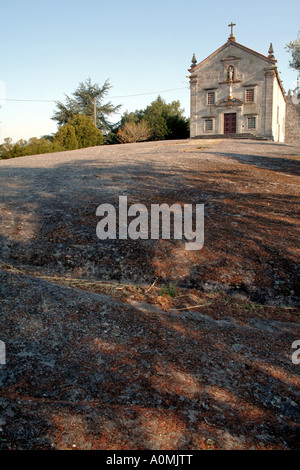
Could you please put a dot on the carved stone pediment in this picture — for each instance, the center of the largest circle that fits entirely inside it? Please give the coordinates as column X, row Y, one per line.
column 230, row 58
column 228, row 81
column 229, row 103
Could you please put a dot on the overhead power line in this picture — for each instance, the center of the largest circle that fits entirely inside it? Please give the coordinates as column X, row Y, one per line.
column 151, row 92
column 37, row 101
column 112, row 97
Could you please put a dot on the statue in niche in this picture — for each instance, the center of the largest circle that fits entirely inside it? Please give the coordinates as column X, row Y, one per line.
column 230, row 73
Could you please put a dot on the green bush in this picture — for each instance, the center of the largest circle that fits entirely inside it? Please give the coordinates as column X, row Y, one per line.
column 87, row 134
column 78, row 133
column 66, row 137
column 166, row 121
column 33, row 146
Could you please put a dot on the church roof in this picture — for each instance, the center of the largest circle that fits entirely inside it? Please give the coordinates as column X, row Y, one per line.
column 238, row 45
column 232, row 42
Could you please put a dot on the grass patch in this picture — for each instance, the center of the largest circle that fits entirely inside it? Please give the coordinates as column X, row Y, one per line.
column 173, row 298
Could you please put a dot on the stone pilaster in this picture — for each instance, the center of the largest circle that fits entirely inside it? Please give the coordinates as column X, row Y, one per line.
column 268, row 105
column 193, row 105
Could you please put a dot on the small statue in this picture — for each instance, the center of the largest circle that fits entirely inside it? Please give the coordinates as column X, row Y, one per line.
column 230, row 73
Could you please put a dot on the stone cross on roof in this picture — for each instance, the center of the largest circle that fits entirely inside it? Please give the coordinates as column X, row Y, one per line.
column 231, row 25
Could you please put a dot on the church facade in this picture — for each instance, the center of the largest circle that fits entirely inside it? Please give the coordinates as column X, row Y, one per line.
column 237, row 92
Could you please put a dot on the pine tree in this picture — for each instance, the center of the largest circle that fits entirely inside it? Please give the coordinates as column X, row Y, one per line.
column 83, row 100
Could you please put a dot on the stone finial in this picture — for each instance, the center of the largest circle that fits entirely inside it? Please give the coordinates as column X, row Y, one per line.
column 271, row 52
column 194, row 61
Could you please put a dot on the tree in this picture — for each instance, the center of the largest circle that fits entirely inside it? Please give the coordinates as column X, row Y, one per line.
column 33, row 146
column 179, row 127
column 87, row 134
column 80, row 132
column 165, row 120
column 66, row 137
column 6, row 148
column 155, row 115
column 134, row 132
column 65, row 111
column 294, row 48
column 87, row 98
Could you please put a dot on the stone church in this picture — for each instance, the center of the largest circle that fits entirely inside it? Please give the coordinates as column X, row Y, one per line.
column 237, row 92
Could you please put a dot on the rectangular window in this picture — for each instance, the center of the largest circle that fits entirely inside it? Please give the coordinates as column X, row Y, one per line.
column 211, row 97
column 208, row 124
column 252, row 122
column 250, row 95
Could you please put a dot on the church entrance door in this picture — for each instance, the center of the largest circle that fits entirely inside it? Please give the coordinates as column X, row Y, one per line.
column 230, row 123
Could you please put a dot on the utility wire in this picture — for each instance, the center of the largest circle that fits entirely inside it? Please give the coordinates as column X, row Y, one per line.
column 112, row 97
column 151, row 92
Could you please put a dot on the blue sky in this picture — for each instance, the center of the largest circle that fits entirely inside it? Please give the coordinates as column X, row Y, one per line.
column 49, row 47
